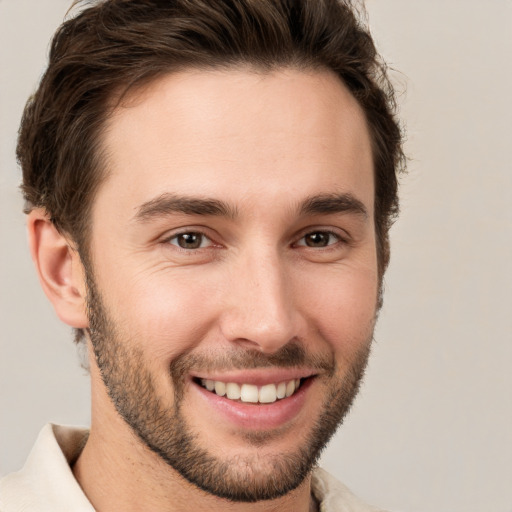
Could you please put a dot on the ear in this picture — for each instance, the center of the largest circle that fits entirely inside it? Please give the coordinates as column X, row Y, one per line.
column 59, row 268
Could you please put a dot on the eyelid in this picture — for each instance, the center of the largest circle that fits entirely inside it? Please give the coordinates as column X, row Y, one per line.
column 201, row 246
column 199, row 230
column 341, row 235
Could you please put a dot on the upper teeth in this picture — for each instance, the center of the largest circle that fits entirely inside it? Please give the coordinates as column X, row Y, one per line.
column 250, row 393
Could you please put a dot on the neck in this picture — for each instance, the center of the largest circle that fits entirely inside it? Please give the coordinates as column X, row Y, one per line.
column 114, row 480
column 118, row 472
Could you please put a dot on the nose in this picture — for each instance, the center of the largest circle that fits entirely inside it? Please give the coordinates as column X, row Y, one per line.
column 260, row 311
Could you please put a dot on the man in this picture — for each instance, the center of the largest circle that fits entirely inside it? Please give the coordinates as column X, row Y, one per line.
column 209, row 188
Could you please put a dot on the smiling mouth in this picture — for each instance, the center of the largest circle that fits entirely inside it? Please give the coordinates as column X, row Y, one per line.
column 250, row 393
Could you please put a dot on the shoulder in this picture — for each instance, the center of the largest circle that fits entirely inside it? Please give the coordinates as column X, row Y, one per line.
column 334, row 496
column 46, row 482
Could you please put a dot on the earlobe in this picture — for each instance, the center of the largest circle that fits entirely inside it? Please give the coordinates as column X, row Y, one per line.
column 59, row 269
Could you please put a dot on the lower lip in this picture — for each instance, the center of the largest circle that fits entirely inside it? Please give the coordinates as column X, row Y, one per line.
column 258, row 416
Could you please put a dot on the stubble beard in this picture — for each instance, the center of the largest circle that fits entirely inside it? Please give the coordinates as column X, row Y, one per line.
column 164, row 430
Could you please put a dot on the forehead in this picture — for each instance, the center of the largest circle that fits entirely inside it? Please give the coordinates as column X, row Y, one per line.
column 238, row 134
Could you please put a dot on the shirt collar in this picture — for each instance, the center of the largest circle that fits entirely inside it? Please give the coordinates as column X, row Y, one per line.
column 46, row 482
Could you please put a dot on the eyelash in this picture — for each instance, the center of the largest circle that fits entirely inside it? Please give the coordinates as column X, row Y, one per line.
column 331, row 234
column 200, row 234
column 203, row 236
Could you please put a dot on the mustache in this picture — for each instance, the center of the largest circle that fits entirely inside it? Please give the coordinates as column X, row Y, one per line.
column 291, row 355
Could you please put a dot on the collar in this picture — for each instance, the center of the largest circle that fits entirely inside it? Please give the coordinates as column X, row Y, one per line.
column 46, row 482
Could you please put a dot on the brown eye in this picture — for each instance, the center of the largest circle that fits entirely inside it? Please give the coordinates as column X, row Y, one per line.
column 319, row 239
column 190, row 240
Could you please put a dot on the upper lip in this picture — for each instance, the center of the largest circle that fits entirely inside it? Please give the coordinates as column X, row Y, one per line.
column 257, row 377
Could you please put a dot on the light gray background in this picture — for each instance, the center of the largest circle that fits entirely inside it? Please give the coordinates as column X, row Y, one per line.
column 432, row 429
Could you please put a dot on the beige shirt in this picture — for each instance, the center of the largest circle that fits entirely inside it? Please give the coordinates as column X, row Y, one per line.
column 46, row 482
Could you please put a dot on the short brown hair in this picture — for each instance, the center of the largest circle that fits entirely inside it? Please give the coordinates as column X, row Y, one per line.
column 116, row 44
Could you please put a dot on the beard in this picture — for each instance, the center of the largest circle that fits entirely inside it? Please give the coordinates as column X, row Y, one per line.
column 164, row 430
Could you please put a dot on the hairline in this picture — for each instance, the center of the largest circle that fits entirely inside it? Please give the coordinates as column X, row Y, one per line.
column 123, row 96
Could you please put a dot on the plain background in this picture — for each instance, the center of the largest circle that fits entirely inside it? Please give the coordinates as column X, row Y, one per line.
column 432, row 428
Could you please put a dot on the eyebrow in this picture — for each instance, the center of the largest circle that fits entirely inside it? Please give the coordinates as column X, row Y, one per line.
column 167, row 204
column 324, row 204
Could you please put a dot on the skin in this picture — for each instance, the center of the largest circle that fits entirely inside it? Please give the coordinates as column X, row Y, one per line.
column 262, row 145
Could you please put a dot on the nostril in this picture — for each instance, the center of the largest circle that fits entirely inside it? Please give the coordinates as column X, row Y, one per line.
column 247, row 344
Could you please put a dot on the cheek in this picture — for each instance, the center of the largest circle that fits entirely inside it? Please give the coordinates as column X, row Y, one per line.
column 166, row 313
column 342, row 306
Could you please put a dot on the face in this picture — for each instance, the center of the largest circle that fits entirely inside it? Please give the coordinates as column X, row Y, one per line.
column 232, row 272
